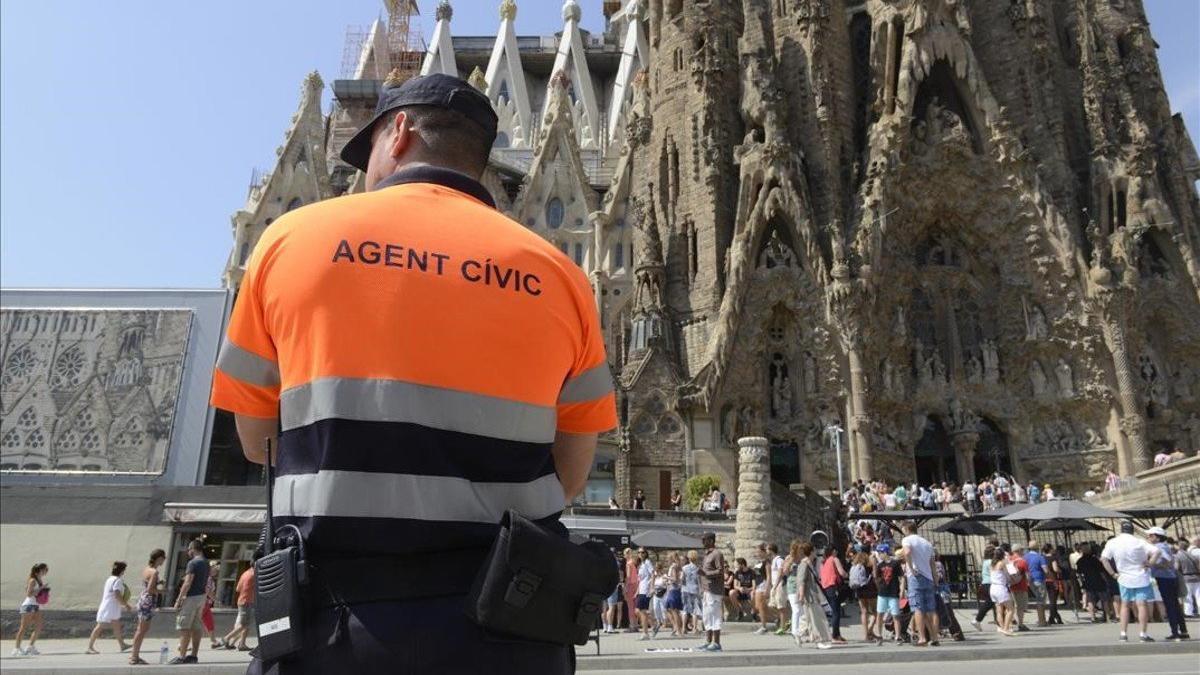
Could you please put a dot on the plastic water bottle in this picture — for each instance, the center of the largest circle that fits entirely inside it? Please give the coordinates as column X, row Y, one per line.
column 163, row 652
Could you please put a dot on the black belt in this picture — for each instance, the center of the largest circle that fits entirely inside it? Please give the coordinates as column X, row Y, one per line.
column 352, row 581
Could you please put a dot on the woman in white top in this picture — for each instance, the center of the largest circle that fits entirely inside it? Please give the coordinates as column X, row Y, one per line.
column 31, row 615
column 998, row 589
column 645, row 582
column 112, row 600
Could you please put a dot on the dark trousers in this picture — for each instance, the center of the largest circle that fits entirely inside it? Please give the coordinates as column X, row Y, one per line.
column 985, row 604
column 1169, row 588
column 431, row 635
column 835, row 609
column 1052, row 599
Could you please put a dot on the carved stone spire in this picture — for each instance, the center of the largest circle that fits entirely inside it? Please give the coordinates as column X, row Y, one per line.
column 477, row 79
column 508, row 10
column 444, row 11
column 571, row 11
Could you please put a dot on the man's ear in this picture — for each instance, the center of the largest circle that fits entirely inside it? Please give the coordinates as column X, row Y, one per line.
column 401, row 136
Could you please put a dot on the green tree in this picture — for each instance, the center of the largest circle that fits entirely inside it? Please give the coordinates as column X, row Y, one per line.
column 698, row 488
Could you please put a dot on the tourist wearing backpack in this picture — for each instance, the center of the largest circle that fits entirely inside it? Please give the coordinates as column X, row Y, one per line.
column 862, row 585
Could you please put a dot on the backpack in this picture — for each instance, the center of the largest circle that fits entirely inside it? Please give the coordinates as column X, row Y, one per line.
column 859, row 576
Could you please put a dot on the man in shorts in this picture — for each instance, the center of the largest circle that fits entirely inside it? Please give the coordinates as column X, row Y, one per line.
column 713, row 572
column 1038, row 567
column 1129, row 559
column 743, row 587
column 190, row 604
column 1018, row 570
column 918, row 555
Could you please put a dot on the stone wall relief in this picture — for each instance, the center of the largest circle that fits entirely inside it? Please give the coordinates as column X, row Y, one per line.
column 1154, row 386
column 891, row 379
column 738, row 419
column 931, row 370
column 776, row 253
column 1183, row 382
column 1065, row 379
column 1036, row 327
column 781, row 388
column 1037, row 379
column 1060, row 437
column 991, row 362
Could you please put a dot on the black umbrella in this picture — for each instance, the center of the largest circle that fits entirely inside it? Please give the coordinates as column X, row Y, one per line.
column 664, row 539
column 966, row 527
column 1059, row 509
column 1069, row 525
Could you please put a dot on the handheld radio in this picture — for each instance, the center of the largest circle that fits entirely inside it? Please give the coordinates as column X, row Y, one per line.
column 278, row 576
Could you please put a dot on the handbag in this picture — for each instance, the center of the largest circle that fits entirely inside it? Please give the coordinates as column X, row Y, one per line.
column 43, row 596
column 537, row 585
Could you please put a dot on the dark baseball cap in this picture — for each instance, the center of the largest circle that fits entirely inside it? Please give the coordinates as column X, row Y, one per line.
column 436, row 90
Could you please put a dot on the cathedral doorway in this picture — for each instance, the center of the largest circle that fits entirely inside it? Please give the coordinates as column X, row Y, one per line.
column 934, row 454
column 991, row 453
column 785, row 462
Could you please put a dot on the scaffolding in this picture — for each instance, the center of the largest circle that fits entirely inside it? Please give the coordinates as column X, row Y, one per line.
column 402, row 41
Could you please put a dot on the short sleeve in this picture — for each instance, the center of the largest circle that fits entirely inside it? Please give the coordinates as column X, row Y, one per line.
column 587, row 402
column 246, row 379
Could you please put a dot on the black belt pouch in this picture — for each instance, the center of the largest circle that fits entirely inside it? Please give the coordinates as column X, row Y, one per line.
column 539, row 586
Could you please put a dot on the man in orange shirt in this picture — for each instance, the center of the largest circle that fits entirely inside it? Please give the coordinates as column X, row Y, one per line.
column 245, row 614
column 427, row 364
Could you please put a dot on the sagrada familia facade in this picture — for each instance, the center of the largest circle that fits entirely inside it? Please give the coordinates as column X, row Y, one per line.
column 967, row 233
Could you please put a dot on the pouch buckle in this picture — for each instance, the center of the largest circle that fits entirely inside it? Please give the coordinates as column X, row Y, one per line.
column 589, row 609
column 521, row 588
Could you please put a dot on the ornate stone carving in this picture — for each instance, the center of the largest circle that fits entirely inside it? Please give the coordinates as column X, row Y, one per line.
column 508, row 10
column 1035, row 323
column 776, row 253
column 1065, row 379
column 991, row 362
column 1037, row 378
column 961, row 418
column 781, row 388
column 974, row 369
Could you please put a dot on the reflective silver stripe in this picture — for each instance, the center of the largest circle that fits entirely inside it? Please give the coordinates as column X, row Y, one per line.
column 589, row 385
column 371, row 400
column 247, row 366
column 358, row 494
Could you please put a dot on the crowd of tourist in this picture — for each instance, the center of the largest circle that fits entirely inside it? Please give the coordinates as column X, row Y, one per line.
column 901, row 589
column 996, row 491
column 193, row 617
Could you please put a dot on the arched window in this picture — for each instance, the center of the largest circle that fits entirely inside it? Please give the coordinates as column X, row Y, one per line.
column 294, row 204
column 501, row 140
column 555, row 213
column 20, row 365
column 503, row 93
column 11, row 439
column 28, row 419
column 618, row 260
column 579, row 254
column 68, row 369
column 245, row 252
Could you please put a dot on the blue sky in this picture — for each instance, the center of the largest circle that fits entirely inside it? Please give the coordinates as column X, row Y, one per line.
column 129, row 129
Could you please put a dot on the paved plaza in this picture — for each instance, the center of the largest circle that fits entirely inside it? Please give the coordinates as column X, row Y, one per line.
column 1072, row 644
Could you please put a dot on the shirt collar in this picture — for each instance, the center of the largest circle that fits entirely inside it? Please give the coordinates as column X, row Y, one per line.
column 426, row 173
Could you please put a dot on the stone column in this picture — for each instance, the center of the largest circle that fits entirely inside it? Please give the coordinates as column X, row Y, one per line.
column 847, row 301
column 1109, row 303
column 754, row 496
column 964, row 454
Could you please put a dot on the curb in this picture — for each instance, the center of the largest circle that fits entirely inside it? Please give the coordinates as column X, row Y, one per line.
column 810, row 656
